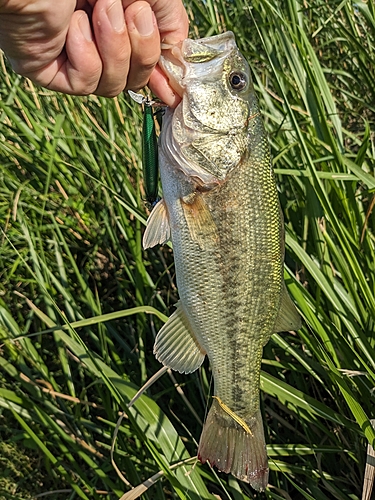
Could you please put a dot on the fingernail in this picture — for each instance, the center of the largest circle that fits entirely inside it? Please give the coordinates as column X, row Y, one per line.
column 85, row 27
column 144, row 21
column 115, row 15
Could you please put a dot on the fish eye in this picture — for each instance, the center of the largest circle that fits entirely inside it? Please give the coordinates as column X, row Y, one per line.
column 238, row 81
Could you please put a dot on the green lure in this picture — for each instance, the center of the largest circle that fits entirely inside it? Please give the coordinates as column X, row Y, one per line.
column 150, row 162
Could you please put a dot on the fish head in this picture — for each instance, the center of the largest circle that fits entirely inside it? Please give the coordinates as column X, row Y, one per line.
column 212, row 124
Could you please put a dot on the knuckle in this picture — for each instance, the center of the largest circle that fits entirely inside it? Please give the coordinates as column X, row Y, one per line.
column 149, row 64
column 82, row 84
column 109, row 88
column 135, row 88
column 109, row 93
column 86, row 88
column 89, row 82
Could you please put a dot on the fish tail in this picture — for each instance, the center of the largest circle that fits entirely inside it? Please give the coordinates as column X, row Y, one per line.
column 228, row 445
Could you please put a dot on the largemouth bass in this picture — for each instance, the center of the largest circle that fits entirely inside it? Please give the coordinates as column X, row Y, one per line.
column 222, row 213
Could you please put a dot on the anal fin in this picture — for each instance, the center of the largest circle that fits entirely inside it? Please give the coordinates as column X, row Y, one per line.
column 176, row 345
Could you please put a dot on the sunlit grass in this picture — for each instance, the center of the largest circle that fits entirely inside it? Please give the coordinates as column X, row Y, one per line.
column 85, row 300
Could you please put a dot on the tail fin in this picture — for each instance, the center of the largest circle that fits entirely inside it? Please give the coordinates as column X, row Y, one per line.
column 227, row 445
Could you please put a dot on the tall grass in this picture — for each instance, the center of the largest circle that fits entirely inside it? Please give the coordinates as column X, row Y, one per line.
column 80, row 301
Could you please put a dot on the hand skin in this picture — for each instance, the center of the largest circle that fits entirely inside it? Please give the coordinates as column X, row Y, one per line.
column 92, row 46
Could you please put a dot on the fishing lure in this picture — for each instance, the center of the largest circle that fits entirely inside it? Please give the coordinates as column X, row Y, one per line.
column 150, row 163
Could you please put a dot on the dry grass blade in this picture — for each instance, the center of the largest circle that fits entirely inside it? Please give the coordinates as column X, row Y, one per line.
column 118, row 472
column 141, row 488
column 368, row 481
column 137, row 491
column 148, row 384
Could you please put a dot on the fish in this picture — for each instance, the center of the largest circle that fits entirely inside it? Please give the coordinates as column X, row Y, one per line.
column 220, row 209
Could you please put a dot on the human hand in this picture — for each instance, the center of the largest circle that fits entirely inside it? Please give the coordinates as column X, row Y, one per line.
column 92, row 46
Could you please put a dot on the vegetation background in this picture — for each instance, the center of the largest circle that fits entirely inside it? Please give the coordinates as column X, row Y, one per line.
column 80, row 301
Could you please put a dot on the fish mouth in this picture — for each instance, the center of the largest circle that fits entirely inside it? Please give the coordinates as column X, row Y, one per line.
column 194, row 58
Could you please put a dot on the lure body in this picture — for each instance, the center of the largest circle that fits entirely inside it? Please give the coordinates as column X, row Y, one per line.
column 150, row 163
column 150, row 160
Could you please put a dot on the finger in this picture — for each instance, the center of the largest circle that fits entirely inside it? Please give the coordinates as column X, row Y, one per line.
column 159, row 86
column 145, row 43
column 173, row 26
column 171, row 18
column 113, row 43
column 31, row 34
column 78, row 69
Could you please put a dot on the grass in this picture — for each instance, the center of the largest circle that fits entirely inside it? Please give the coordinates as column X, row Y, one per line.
column 80, row 301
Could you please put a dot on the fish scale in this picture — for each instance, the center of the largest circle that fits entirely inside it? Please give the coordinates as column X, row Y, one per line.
column 220, row 209
column 246, row 245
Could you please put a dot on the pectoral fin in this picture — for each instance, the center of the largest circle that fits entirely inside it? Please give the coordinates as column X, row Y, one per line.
column 158, row 230
column 176, row 345
column 202, row 227
column 288, row 318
